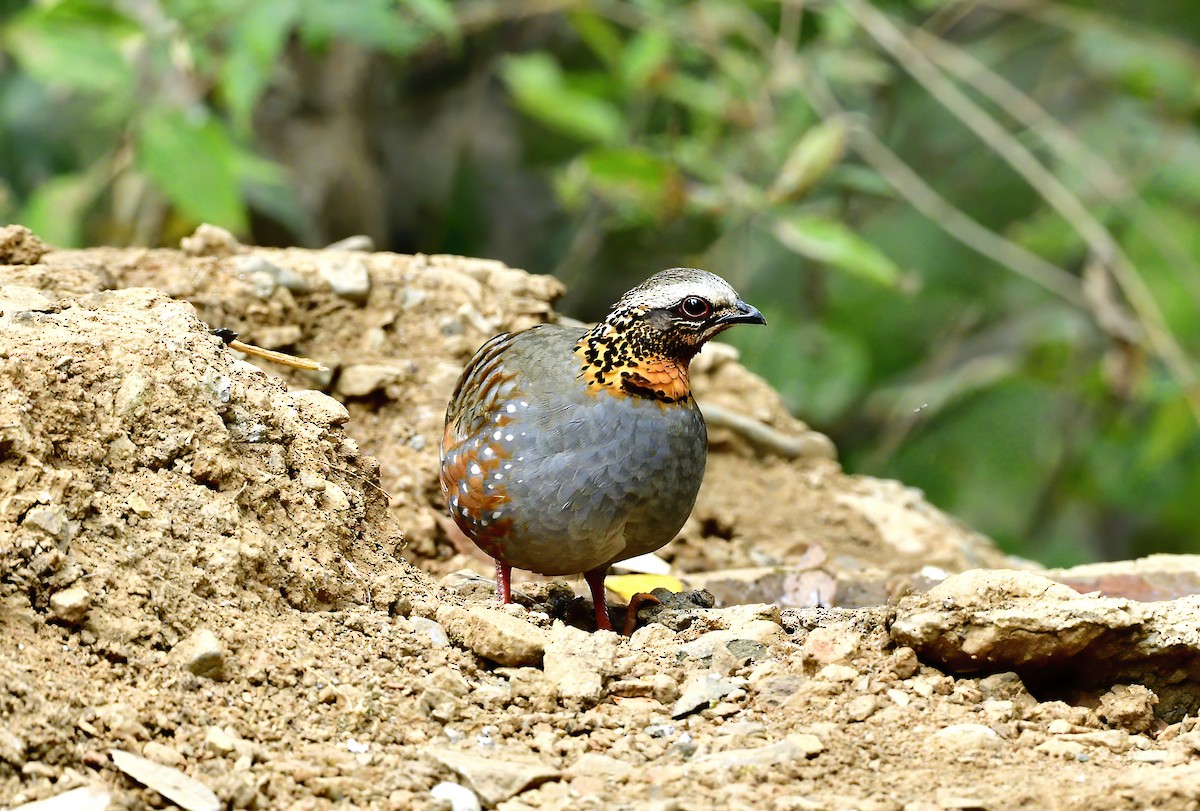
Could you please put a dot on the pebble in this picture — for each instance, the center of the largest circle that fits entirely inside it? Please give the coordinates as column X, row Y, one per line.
column 361, row 379
column 595, row 763
column 494, row 779
column 793, row 747
column 861, row 708
column 967, row 737
column 494, row 635
column 830, row 645
column 161, row 753
column 577, row 662
column 904, row 662
column 334, row 497
column 71, row 605
column 319, row 407
column 18, row 297
column 357, row 242
column 93, row 797
column 837, row 673
column 201, row 653
column 435, row 632
column 210, row 240
column 1056, row 747
column 50, row 520
column 702, row 690
column 348, row 277
column 461, row 798
column 219, row 741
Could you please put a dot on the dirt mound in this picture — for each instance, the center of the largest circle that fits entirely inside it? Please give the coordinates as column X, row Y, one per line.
column 199, row 566
column 395, row 332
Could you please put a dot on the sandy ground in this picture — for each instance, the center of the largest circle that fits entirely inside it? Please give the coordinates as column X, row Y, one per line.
column 244, row 575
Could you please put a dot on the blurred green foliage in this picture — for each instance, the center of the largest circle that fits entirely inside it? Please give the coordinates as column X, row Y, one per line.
column 972, row 225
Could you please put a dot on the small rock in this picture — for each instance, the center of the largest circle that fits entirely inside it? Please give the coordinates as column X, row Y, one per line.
column 71, row 605
column 219, row 740
column 1057, row 747
column 837, row 673
column 1060, row 726
column 495, row 779
column 85, row 798
column 832, row 644
column 334, row 497
column 12, row 748
column 702, row 690
column 361, row 379
column 357, row 242
column 320, row 407
column 461, row 798
column 861, row 708
column 210, row 240
column 793, row 747
column 775, row 690
column 50, row 520
column 1149, row 756
column 435, row 632
column 264, row 274
column 1129, row 707
column 16, row 298
column 904, row 662
column 20, row 246
column 967, row 737
column 139, row 505
column 577, row 662
column 201, row 653
column 347, row 276
column 595, row 763
column 161, row 753
column 494, row 635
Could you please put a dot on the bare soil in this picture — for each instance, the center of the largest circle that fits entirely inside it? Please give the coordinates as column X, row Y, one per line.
column 244, row 574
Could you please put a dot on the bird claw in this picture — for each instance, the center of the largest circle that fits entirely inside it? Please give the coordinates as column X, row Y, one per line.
column 636, row 602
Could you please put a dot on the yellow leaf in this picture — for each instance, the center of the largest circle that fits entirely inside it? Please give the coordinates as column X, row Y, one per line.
column 627, row 585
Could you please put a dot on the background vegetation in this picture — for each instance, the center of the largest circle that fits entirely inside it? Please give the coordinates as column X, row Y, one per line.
column 972, row 225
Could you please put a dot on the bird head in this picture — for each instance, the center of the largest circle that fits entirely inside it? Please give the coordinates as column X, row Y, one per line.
column 674, row 312
column 651, row 334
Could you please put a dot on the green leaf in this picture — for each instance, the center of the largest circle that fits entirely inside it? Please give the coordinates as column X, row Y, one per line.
column 831, row 242
column 640, row 186
column 647, row 52
column 541, row 92
column 373, row 23
column 77, row 55
column 255, row 45
column 191, row 158
column 820, row 149
column 599, row 35
column 437, row 14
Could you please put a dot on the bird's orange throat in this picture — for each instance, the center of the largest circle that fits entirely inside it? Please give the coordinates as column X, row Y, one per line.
column 609, row 362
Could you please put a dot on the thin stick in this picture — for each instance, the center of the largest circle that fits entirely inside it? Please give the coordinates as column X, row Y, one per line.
column 1061, row 199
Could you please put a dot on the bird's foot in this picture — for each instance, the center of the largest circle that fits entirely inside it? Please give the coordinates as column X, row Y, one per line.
column 636, row 602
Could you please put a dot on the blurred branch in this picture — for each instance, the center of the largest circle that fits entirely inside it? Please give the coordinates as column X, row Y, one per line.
column 923, row 197
column 1101, row 243
column 1065, row 145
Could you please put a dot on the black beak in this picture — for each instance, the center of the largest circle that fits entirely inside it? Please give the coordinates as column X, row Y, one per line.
column 745, row 314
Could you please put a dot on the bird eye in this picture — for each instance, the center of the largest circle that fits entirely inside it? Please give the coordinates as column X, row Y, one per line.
column 694, row 307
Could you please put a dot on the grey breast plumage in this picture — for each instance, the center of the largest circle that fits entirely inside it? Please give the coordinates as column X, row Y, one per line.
column 558, row 479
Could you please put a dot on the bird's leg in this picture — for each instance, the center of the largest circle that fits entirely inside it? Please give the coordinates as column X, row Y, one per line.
column 595, row 581
column 503, row 583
